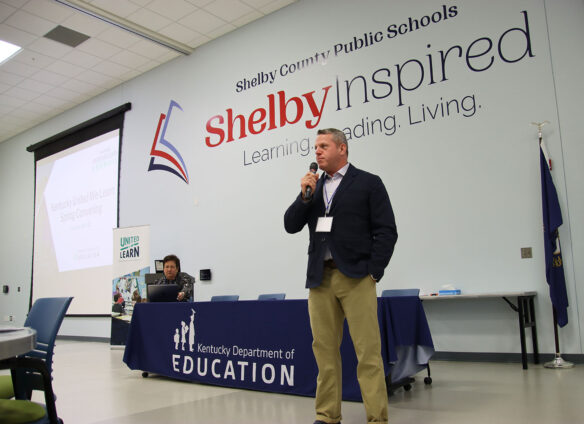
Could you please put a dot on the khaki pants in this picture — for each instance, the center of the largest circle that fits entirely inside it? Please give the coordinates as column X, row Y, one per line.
column 337, row 298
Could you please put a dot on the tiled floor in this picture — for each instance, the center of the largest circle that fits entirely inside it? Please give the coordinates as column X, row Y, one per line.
column 93, row 385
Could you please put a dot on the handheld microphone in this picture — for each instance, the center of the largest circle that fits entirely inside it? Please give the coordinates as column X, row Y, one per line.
column 313, row 168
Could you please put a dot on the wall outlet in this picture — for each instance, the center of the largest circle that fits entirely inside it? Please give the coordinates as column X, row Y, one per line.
column 8, row 318
column 526, row 253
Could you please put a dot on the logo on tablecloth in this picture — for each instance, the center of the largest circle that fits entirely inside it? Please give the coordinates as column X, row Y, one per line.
column 184, row 335
column 223, row 362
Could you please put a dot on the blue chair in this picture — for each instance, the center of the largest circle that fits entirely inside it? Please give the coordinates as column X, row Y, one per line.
column 400, row 292
column 273, row 296
column 46, row 317
column 225, row 298
column 33, row 371
column 405, row 383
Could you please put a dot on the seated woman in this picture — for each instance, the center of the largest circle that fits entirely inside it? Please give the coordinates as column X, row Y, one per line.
column 173, row 275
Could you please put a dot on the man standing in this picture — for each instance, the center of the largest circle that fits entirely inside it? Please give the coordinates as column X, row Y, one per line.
column 352, row 235
column 173, row 275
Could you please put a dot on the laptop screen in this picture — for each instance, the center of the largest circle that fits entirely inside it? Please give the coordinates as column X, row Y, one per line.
column 162, row 292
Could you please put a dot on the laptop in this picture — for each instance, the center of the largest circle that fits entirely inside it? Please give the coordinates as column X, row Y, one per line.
column 162, row 292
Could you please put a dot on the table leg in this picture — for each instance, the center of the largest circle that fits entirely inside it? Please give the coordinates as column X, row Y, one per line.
column 520, row 313
column 533, row 331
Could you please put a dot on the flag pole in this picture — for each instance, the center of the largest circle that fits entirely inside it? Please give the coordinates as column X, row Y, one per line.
column 558, row 362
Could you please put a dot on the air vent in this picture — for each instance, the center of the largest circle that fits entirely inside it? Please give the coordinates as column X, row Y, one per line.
column 66, row 36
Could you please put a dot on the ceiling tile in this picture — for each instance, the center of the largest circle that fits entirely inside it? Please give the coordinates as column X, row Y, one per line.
column 142, row 3
column 82, row 59
column 64, row 94
column 37, row 108
column 11, row 101
column 117, row 7
column 15, row 35
column 200, row 3
column 49, row 77
column 95, row 78
column 50, row 47
column 86, row 24
column 228, row 10
column 149, row 19
column 148, row 66
column 21, row 93
column 172, row 10
column 32, row 58
column 23, row 114
column 29, row 23
column 129, row 59
column 52, row 10
column 202, row 21
column 110, row 69
column 98, row 48
column 19, row 68
column 275, row 5
column 246, row 19
column 133, row 73
column 257, row 3
column 79, row 86
column 35, row 86
column 197, row 41
column 169, row 55
column 6, row 11
column 64, row 68
column 49, row 101
column 118, row 37
column 10, row 78
column 179, row 32
column 149, row 49
column 218, row 32
column 16, row 3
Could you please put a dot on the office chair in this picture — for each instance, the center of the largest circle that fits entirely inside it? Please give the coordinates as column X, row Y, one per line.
column 400, row 292
column 273, row 296
column 225, row 298
column 24, row 411
column 406, row 383
column 45, row 316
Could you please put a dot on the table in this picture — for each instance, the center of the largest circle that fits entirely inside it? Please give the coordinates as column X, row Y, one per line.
column 525, row 314
column 15, row 341
column 19, row 341
column 264, row 345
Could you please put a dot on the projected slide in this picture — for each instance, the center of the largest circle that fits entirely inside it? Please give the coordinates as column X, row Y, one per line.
column 81, row 197
column 76, row 211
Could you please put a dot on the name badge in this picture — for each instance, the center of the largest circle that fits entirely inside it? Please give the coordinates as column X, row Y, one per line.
column 324, row 224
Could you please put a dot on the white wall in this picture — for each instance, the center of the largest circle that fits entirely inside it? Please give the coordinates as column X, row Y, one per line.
column 465, row 190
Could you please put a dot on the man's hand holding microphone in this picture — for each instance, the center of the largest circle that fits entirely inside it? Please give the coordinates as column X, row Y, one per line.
column 308, row 182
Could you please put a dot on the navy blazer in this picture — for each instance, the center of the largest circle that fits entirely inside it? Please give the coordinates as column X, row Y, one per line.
column 363, row 232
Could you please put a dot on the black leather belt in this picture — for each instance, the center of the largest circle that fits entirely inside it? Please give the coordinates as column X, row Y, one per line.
column 329, row 263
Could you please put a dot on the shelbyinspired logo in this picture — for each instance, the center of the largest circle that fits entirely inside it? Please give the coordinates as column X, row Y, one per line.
column 185, row 335
column 176, row 164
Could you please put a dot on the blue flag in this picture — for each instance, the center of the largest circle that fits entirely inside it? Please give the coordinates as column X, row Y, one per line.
column 552, row 219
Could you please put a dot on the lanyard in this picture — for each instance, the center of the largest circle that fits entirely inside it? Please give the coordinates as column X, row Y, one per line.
column 329, row 200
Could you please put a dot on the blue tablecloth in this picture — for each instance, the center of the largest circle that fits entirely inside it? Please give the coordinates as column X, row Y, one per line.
column 264, row 345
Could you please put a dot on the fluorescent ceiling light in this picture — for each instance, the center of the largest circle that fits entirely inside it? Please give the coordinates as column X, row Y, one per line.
column 7, row 50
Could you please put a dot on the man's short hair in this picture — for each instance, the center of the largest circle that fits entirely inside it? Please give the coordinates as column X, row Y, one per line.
column 172, row 258
column 338, row 136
